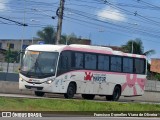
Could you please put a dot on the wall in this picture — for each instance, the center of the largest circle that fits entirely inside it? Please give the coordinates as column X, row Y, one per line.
column 152, row 85
column 17, row 43
column 13, row 67
column 14, row 77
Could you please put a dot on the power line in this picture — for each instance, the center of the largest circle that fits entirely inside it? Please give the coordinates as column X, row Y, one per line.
column 126, row 27
column 133, row 13
column 147, row 3
column 111, row 29
column 84, row 14
column 122, row 27
column 19, row 23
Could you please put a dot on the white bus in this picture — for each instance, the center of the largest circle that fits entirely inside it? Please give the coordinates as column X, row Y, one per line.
column 82, row 69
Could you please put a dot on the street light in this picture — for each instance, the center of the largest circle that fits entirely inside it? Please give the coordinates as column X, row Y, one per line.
column 33, row 20
column 132, row 40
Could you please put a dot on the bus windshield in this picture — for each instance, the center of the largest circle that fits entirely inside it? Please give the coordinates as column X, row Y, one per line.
column 39, row 64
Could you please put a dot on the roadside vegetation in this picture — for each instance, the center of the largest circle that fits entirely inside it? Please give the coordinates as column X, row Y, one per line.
column 25, row 104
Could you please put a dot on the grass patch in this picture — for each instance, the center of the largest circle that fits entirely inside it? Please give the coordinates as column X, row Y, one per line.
column 25, row 104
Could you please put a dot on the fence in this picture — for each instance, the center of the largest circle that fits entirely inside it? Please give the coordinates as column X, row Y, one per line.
column 12, row 68
column 152, row 85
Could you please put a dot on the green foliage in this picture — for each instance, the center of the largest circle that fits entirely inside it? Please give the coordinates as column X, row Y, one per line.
column 71, row 39
column 25, row 104
column 68, row 39
column 137, row 47
column 12, row 56
column 48, row 35
column 157, row 76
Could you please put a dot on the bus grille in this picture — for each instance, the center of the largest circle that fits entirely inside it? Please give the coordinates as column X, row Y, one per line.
column 33, row 87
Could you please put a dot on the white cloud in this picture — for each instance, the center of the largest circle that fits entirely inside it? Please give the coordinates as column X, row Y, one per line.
column 3, row 5
column 109, row 13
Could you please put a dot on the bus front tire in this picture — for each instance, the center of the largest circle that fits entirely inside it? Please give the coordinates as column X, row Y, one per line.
column 70, row 91
column 39, row 94
column 116, row 94
column 88, row 96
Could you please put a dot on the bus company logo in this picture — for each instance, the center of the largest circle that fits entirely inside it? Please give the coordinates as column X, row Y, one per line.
column 96, row 77
column 88, row 76
column 99, row 78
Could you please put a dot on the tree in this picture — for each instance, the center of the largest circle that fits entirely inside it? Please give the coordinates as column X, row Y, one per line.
column 69, row 39
column 12, row 56
column 48, row 35
column 137, row 48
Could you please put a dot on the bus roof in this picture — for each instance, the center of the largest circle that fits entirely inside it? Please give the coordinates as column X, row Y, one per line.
column 83, row 48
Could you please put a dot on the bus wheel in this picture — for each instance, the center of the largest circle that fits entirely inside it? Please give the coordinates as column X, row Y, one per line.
column 70, row 91
column 88, row 96
column 38, row 93
column 116, row 94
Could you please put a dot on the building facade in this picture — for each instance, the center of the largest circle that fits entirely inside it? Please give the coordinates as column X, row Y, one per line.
column 15, row 44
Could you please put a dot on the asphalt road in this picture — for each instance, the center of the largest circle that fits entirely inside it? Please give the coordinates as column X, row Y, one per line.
column 139, row 99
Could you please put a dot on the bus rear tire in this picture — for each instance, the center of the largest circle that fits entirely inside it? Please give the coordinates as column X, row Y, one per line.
column 88, row 96
column 116, row 94
column 39, row 94
column 70, row 91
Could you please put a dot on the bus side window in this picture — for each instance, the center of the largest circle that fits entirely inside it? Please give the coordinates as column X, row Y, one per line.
column 116, row 64
column 77, row 60
column 139, row 66
column 128, row 65
column 62, row 66
column 64, row 62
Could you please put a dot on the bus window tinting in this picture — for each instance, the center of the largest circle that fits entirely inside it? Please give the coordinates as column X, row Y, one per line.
column 128, row 65
column 103, row 62
column 90, row 61
column 139, row 66
column 78, row 60
column 64, row 62
column 81, row 60
column 116, row 63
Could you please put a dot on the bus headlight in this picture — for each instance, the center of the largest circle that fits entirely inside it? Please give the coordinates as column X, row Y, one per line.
column 49, row 81
column 21, row 79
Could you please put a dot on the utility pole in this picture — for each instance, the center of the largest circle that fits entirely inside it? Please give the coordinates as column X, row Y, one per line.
column 60, row 18
column 132, row 47
column 8, row 59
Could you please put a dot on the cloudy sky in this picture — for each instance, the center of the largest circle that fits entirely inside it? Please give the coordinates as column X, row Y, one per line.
column 109, row 13
column 3, row 6
column 106, row 23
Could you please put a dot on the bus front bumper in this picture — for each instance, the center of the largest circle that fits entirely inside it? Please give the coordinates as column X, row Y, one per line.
column 44, row 87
